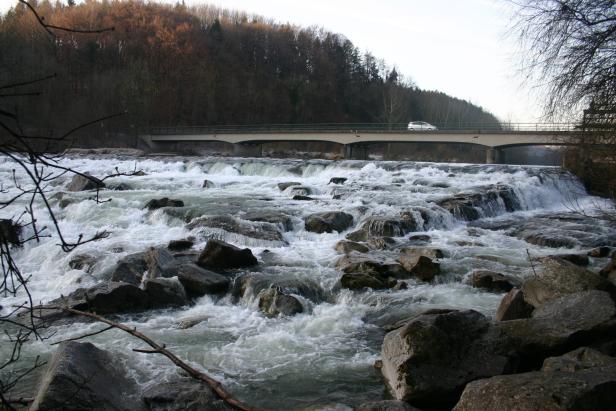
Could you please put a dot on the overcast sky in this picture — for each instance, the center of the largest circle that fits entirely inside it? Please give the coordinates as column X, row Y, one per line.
column 459, row 47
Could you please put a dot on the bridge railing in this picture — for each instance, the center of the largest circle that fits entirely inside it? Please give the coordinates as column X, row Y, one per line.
column 361, row 127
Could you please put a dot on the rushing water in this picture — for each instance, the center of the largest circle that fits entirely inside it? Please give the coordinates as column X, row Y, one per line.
column 326, row 354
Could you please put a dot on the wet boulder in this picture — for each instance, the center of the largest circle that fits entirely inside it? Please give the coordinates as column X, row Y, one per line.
column 198, row 281
column 273, row 217
column 165, row 292
column 419, row 239
column 183, row 395
column 9, row 231
column 589, row 387
column 130, row 269
column 382, row 227
column 492, row 281
column 181, row 245
column 106, row 298
column 513, row 306
column 273, row 302
column 84, row 182
column 578, row 359
column 359, row 264
column 557, row 277
column 337, row 180
column 328, row 222
column 418, row 262
column 347, row 247
column 252, row 284
column 552, row 240
column 80, row 376
column 430, row 358
column 157, row 260
column 208, row 184
column 360, row 280
column 489, row 201
column 155, row 204
column 256, row 230
column 284, row 186
column 220, row 255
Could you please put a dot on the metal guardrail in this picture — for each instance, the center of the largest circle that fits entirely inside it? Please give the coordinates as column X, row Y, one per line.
column 361, row 127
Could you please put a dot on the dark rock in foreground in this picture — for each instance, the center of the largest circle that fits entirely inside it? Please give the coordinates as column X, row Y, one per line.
column 84, row 182
column 107, row 298
column 163, row 202
column 433, row 356
column 347, row 247
column 258, row 230
column 80, row 377
column 165, row 292
column 220, row 255
column 418, row 262
column 590, row 385
column 302, row 198
column 328, row 222
column 183, row 395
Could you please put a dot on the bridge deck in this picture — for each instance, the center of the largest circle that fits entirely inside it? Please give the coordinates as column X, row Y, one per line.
column 490, row 138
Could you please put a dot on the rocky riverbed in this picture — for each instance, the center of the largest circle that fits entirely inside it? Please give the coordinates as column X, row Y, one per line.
column 316, row 284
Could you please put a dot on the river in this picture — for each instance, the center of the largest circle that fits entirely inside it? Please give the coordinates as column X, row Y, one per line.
column 325, row 355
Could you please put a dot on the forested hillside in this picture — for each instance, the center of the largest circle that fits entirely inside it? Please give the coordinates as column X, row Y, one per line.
column 175, row 65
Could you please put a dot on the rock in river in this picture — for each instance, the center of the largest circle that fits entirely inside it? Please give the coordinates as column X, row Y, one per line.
column 273, row 302
column 328, row 222
column 492, row 281
column 163, row 202
column 84, row 182
column 80, row 376
column 220, row 255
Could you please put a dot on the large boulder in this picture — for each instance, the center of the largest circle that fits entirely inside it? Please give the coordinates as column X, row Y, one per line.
column 106, row 298
column 433, row 356
column 198, row 281
column 273, row 217
column 561, row 324
column 513, row 306
column 84, row 182
column 557, row 277
column 80, row 377
column 157, row 261
column 165, row 292
column 155, row 204
column 220, row 255
column 130, row 269
column 492, row 281
column 183, row 395
column 418, row 262
column 328, row 222
column 337, row 180
column 273, row 302
column 359, row 281
column 257, row 230
column 252, row 284
column 181, row 245
column 589, row 385
column 9, row 231
column 384, row 227
column 355, row 263
column 578, row 359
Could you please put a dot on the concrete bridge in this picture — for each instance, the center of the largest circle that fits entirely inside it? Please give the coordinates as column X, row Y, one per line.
column 247, row 140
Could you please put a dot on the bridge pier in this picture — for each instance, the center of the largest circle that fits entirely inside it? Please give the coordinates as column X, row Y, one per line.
column 493, row 155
